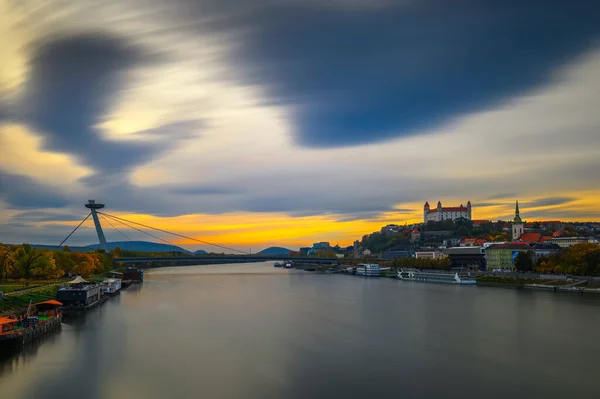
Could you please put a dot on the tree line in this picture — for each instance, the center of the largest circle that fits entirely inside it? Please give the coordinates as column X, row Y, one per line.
column 26, row 262
column 579, row 260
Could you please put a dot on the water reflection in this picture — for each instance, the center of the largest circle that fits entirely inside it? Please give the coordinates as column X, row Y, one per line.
column 253, row 331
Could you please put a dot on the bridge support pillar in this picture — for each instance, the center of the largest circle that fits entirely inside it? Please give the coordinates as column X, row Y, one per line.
column 92, row 206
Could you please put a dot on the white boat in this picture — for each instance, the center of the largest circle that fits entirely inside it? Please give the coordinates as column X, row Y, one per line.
column 112, row 286
column 433, row 277
column 368, row 270
column 288, row 265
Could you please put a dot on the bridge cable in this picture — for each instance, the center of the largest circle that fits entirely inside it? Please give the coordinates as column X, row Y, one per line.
column 175, row 234
column 140, row 230
column 114, row 227
column 63, row 241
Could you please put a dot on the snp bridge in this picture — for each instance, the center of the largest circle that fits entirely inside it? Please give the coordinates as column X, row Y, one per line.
column 224, row 259
column 240, row 257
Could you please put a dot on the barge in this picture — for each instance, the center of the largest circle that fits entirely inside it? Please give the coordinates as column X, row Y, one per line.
column 17, row 331
column 136, row 275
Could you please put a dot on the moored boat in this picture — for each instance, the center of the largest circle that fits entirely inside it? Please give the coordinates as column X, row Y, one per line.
column 368, row 270
column 278, row 264
column 111, row 286
column 80, row 294
column 136, row 275
column 42, row 318
column 433, row 277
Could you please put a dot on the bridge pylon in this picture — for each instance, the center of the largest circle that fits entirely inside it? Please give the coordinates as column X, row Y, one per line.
column 93, row 207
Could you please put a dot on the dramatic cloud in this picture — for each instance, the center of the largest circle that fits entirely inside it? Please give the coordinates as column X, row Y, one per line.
column 327, row 119
column 42, row 216
column 360, row 76
column 21, row 192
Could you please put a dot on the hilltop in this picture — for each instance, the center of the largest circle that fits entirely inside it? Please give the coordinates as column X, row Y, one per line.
column 275, row 251
column 138, row 246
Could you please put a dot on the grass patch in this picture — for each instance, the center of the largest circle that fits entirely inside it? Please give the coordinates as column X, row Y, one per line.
column 20, row 301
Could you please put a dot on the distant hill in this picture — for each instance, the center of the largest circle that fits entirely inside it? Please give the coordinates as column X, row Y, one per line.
column 141, row 246
column 138, row 246
column 275, row 251
column 200, row 252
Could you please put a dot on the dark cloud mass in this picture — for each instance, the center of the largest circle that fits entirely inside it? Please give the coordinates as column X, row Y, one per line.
column 361, row 75
column 74, row 80
column 22, row 192
column 43, row 216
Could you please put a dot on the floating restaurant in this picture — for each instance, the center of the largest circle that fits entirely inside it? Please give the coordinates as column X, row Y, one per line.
column 41, row 318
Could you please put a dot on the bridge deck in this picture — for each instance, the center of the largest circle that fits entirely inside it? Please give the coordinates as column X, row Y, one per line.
column 227, row 258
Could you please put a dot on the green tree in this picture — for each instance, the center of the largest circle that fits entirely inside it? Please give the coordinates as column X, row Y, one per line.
column 7, row 261
column 462, row 231
column 29, row 258
column 523, row 262
column 64, row 261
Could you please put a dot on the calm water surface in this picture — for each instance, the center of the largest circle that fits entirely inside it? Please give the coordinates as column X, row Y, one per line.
column 253, row 331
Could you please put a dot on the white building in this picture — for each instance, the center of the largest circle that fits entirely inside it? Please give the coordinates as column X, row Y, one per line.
column 449, row 213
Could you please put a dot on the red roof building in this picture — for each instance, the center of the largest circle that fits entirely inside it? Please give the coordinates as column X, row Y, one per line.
column 530, row 237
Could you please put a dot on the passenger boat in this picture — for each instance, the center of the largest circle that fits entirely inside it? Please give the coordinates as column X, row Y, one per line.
column 432, row 277
column 278, row 264
column 111, row 286
column 80, row 295
column 287, row 265
column 368, row 270
column 42, row 318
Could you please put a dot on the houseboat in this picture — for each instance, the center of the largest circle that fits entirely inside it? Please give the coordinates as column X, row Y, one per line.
column 42, row 318
column 368, row 270
column 433, row 277
column 80, row 294
column 119, row 275
column 136, row 275
column 111, row 286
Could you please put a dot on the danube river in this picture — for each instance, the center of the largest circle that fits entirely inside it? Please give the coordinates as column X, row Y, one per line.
column 253, row 331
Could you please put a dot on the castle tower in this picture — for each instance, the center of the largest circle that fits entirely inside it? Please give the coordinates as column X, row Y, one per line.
column 440, row 215
column 469, row 216
column 91, row 205
column 517, row 226
column 425, row 211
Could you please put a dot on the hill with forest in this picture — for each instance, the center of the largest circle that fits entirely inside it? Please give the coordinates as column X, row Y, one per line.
column 137, row 246
column 275, row 251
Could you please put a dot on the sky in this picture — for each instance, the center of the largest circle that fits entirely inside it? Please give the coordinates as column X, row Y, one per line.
column 288, row 122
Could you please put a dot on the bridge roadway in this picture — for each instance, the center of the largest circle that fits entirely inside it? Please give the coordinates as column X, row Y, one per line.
column 223, row 259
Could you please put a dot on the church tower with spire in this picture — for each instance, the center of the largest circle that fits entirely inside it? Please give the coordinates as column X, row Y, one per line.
column 517, row 226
